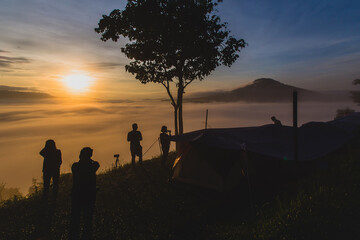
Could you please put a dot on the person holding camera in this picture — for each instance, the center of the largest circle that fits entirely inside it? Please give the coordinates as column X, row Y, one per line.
column 165, row 144
column 51, row 166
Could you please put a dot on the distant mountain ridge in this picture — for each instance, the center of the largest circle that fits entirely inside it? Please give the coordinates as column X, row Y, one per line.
column 266, row 90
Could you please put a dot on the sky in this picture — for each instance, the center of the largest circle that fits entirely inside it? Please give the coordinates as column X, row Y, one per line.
column 48, row 45
column 312, row 44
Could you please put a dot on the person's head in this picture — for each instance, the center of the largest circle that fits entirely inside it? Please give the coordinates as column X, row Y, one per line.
column 134, row 126
column 163, row 129
column 50, row 144
column 273, row 118
column 85, row 153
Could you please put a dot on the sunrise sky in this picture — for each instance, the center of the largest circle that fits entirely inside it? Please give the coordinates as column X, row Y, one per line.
column 310, row 44
column 51, row 46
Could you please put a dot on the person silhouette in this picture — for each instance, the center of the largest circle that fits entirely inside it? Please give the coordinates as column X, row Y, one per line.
column 117, row 162
column 276, row 121
column 83, row 194
column 165, row 144
column 134, row 137
column 51, row 166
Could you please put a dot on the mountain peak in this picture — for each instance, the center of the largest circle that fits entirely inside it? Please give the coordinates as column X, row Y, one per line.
column 265, row 90
column 266, row 81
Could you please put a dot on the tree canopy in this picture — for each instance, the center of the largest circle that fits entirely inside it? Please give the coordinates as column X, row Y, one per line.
column 355, row 95
column 175, row 41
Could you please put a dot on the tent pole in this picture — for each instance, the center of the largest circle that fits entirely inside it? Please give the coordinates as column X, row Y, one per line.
column 295, row 125
column 206, row 119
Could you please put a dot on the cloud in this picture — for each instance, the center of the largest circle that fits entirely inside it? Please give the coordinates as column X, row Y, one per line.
column 9, row 61
column 13, row 116
column 25, row 44
column 23, row 95
column 43, row 113
column 6, row 70
column 10, row 88
column 116, row 101
column 106, row 65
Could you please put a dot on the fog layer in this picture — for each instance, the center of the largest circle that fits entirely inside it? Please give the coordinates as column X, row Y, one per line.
column 24, row 128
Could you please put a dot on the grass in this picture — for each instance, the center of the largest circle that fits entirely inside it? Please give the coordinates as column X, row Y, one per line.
column 140, row 203
column 325, row 206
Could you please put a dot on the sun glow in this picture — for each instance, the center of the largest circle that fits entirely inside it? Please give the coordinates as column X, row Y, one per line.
column 77, row 82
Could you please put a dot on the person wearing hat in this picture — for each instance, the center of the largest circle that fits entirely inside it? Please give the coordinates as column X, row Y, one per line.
column 165, row 144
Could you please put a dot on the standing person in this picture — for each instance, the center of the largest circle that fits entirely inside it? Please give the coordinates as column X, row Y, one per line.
column 134, row 137
column 51, row 166
column 83, row 194
column 165, row 144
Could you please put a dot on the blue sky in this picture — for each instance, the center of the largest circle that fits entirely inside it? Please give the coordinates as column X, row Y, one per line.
column 310, row 44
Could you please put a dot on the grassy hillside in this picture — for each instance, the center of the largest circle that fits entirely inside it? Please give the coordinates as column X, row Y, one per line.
column 140, row 203
column 324, row 206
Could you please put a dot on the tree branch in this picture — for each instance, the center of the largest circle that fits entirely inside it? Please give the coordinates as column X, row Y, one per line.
column 187, row 83
column 167, row 86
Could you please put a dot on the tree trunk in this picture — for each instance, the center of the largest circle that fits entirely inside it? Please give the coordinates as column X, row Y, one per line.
column 176, row 120
column 174, row 104
column 179, row 105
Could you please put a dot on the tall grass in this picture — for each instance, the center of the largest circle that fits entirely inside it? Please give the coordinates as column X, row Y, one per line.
column 325, row 205
column 140, row 203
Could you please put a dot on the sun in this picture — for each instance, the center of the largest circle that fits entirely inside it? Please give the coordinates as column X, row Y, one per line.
column 77, row 82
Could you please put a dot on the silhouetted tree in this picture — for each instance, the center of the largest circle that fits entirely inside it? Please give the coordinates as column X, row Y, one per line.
column 35, row 187
column 356, row 94
column 173, row 41
column 2, row 187
column 9, row 193
column 356, row 81
column 343, row 112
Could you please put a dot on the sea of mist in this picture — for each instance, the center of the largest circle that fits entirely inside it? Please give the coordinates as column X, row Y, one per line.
column 103, row 126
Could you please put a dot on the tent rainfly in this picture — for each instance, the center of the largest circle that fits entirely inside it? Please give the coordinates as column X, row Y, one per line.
column 219, row 158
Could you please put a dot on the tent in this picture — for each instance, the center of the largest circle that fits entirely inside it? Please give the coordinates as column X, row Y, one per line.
column 219, row 158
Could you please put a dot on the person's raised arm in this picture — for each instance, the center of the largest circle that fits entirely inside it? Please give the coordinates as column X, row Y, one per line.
column 42, row 152
column 96, row 166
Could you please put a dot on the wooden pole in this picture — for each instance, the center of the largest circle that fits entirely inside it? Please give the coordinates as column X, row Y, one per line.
column 207, row 112
column 295, row 125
